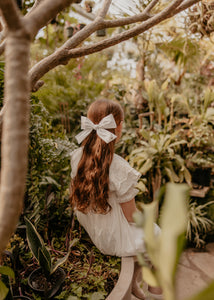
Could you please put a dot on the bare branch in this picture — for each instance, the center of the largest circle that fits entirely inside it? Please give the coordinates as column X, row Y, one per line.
column 41, row 68
column 2, row 46
column 151, row 5
column 185, row 5
column 103, row 11
column 36, row 3
column 82, row 12
column 43, row 13
column 130, row 20
column 163, row 15
column 63, row 55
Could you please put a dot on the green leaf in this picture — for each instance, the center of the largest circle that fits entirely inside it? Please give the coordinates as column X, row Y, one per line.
column 149, row 217
column 4, row 270
column 35, row 241
column 187, row 176
column 44, row 262
column 149, row 276
column 3, row 290
column 97, row 296
column 146, row 167
column 173, row 223
column 172, row 173
column 208, row 98
column 63, row 259
column 164, row 86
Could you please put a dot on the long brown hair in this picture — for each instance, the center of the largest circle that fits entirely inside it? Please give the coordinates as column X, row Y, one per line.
column 90, row 186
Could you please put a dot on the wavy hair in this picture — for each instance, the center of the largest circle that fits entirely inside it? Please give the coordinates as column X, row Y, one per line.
column 90, row 186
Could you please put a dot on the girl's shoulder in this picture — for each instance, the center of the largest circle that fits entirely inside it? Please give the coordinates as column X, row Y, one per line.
column 120, row 168
column 119, row 162
column 123, row 179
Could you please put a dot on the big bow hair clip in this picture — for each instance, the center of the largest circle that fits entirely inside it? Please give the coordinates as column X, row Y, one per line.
column 87, row 125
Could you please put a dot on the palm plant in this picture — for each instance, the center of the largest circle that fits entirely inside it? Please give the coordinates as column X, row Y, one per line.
column 198, row 224
column 158, row 157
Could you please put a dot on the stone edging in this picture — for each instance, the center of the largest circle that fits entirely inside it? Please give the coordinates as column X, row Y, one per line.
column 123, row 287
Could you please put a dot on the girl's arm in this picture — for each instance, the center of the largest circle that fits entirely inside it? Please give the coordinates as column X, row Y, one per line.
column 128, row 209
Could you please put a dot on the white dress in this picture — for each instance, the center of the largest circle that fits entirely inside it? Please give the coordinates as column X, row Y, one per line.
column 111, row 233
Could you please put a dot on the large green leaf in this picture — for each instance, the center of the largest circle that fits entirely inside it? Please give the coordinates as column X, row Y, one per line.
column 149, row 217
column 146, row 166
column 3, row 290
column 150, row 277
column 63, row 259
column 173, row 223
column 44, row 262
column 7, row 271
column 35, row 241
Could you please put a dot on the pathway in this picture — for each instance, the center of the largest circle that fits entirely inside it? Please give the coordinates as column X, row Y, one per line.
column 195, row 271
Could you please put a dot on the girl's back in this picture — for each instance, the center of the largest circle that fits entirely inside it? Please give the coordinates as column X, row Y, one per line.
column 111, row 232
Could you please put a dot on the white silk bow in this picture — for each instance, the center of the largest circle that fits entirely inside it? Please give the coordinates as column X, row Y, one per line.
column 87, row 125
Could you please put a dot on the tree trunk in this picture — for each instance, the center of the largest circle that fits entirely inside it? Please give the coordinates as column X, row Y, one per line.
column 14, row 134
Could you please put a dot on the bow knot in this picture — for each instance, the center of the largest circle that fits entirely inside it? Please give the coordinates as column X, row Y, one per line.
column 96, row 126
column 87, row 125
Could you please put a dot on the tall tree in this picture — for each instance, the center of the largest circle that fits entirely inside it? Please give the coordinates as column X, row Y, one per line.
column 20, row 80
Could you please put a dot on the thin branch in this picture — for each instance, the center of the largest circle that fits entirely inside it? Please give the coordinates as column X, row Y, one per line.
column 36, row 3
column 82, row 12
column 103, row 11
column 2, row 45
column 71, row 43
column 163, row 15
column 185, row 5
column 43, row 13
column 63, row 55
column 130, row 20
column 151, row 5
column 145, row 15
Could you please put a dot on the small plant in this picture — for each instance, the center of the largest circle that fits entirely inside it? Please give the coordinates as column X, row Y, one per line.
column 158, row 157
column 198, row 224
column 41, row 252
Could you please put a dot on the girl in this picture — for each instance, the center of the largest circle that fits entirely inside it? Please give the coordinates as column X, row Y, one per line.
column 103, row 186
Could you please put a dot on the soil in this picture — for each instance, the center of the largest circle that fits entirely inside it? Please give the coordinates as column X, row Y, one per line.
column 41, row 283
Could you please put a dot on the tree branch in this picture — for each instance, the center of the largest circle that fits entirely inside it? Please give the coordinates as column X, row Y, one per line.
column 186, row 5
column 103, row 11
column 130, row 20
column 63, row 54
column 2, row 45
column 43, row 13
column 168, row 12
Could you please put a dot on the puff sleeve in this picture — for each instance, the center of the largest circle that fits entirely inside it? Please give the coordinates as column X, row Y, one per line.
column 123, row 179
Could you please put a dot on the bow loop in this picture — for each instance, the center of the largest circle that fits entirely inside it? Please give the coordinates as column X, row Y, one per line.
column 87, row 125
